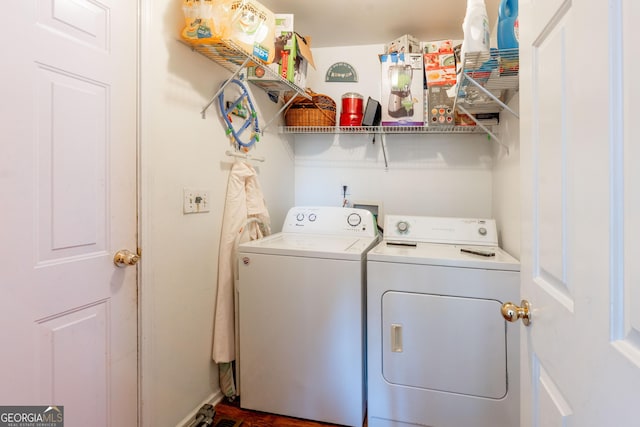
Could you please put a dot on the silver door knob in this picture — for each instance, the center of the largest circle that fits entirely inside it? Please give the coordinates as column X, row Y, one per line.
column 125, row 257
column 512, row 312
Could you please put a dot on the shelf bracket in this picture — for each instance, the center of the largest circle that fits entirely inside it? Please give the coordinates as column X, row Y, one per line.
column 483, row 127
column 383, row 143
column 233, row 76
column 489, row 94
column 279, row 112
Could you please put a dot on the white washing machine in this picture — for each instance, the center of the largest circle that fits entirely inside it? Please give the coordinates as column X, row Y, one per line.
column 439, row 351
column 302, row 316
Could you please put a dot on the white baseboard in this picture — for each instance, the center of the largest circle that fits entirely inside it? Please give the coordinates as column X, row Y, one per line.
column 213, row 399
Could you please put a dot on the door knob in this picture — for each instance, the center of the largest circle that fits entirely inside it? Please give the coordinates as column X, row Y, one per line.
column 125, row 257
column 512, row 312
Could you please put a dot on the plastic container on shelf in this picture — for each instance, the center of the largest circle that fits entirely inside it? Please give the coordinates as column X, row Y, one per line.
column 352, row 111
column 476, row 28
column 508, row 28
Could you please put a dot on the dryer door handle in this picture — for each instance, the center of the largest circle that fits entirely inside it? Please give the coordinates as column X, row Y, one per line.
column 396, row 338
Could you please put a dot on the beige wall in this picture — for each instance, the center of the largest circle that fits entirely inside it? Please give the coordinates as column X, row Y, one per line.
column 433, row 174
column 180, row 149
column 506, row 182
column 427, row 174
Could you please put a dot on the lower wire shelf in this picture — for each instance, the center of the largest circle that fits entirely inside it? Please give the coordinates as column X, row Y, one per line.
column 381, row 129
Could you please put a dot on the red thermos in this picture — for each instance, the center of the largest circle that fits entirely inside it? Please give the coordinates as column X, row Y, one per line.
column 352, row 110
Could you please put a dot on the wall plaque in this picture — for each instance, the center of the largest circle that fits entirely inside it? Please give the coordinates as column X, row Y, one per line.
column 341, row 72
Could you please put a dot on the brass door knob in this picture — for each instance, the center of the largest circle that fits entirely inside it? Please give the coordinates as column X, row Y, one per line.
column 512, row 312
column 125, row 257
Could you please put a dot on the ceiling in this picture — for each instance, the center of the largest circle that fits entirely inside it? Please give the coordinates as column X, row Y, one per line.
column 361, row 22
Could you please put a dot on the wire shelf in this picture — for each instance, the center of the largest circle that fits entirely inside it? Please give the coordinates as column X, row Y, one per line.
column 488, row 81
column 234, row 59
column 381, row 129
column 230, row 56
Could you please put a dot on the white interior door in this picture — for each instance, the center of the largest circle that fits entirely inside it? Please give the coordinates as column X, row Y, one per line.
column 68, row 315
column 581, row 212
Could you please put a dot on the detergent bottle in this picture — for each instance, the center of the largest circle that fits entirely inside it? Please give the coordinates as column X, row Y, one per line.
column 476, row 28
column 508, row 29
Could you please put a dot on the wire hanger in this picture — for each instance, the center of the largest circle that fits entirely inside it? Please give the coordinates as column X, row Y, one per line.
column 245, row 156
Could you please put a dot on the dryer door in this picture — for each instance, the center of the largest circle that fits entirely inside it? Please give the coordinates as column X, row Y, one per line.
column 444, row 343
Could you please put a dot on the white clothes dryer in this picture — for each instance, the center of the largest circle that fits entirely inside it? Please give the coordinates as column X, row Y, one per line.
column 302, row 316
column 439, row 351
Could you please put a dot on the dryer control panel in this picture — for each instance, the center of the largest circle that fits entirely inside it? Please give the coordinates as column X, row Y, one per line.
column 330, row 220
column 425, row 229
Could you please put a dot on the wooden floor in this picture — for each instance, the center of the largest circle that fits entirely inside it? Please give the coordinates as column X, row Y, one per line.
column 225, row 409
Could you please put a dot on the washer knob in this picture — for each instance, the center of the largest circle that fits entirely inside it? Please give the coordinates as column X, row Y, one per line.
column 312, row 217
column 482, row 231
column 403, row 227
column 300, row 216
column 354, row 219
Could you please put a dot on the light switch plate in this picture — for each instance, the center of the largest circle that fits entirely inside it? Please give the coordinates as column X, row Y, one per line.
column 195, row 201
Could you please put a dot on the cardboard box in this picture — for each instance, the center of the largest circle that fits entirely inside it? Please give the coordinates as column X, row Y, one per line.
column 266, row 79
column 440, row 103
column 283, row 30
column 440, row 68
column 404, row 44
column 284, row 22
column 402, row 108
column 439, row 63
column 296, row 56
column 463, row 120
column 437, row 46
column 487, row 119
column 252, row 28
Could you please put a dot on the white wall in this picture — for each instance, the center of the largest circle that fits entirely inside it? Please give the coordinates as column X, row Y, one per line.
column 180, row 252
column 506, row 181
column 426, row 175
column 433, row 174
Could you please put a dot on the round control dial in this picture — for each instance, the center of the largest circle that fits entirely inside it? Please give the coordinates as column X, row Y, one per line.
column 300, row 217
column 402, row 227
column 312, row 217
column 354, row 219
column 482, row 231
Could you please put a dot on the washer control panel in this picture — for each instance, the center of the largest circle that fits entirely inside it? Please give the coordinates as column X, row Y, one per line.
column 330, row 220
column 469, row 231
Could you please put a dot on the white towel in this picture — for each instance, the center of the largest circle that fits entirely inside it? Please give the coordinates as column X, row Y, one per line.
column 244, row 200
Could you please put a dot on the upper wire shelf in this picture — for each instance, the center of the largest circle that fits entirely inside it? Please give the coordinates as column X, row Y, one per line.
column 233, row 58
column 488, row 81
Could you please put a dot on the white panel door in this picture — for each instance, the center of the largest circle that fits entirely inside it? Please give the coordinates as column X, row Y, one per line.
column 581, row 212
column 68, row 315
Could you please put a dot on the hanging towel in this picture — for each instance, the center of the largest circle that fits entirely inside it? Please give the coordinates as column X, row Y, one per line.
column 244, row 201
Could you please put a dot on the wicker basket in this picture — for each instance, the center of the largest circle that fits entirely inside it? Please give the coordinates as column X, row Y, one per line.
column 320, row 110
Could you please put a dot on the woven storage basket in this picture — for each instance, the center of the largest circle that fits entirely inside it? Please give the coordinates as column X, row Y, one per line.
column 320, row 110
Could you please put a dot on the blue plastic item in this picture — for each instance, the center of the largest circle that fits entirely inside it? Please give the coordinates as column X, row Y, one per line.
column 508, row 37
column 243, row 102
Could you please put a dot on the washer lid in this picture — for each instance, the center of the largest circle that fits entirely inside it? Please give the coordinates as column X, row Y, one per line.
column 443, row 255
column 310, row 245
